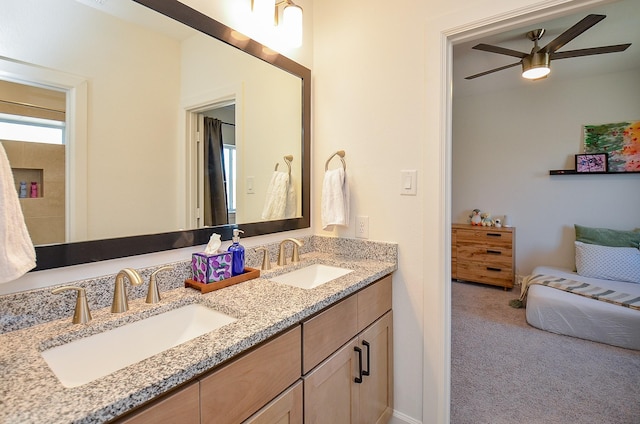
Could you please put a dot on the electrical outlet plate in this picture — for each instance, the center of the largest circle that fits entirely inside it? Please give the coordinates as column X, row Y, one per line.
column 362, row 227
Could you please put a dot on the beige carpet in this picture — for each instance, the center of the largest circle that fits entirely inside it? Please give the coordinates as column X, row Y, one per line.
column 505, row 371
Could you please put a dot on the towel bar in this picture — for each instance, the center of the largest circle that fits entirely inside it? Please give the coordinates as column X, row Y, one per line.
column 339, row 153
column 287, row 159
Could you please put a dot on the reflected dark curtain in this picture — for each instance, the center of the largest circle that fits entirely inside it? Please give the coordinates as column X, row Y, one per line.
column 215, row 203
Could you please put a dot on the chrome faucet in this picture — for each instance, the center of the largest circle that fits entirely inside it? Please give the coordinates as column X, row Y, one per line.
column 295, row 257
column 119, row 293
column 153, row 294
column 81, row 315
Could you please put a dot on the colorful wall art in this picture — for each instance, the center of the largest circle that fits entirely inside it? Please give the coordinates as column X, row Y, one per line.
column 621, row 141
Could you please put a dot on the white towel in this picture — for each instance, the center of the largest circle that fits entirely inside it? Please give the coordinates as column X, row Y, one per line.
column 17, row 254
column 291, row 209
column 275, row 203
column 335, row 199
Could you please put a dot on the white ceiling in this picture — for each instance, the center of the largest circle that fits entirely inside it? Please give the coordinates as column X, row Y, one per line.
column 622, row 25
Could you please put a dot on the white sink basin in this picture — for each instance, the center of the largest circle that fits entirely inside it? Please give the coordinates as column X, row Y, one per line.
column 84, row 360
column 311, row 276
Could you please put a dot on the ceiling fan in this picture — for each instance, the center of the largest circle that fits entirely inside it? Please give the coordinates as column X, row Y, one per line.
column 535, row 65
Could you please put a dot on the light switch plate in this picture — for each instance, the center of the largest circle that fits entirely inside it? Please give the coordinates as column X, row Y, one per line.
column 408, row 182
column 250, row 183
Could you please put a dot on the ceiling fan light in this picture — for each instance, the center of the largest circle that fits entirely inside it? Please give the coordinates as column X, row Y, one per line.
column 535, row 66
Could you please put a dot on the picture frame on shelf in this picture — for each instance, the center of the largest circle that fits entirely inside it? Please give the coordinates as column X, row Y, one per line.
column 591, row 162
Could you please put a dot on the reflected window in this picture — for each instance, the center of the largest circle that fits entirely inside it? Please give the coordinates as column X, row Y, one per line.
column 229, row 152
column 36, row 130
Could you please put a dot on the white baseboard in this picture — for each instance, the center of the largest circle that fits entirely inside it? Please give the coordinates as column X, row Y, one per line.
column 400, row 418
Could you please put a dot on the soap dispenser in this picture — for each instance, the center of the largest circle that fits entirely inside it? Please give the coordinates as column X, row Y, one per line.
column 237, row 253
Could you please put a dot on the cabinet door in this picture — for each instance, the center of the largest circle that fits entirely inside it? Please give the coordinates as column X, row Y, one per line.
column 376, row 390
column 180, row 407
column 330, row 394
column 285, row 409
column 237, row 390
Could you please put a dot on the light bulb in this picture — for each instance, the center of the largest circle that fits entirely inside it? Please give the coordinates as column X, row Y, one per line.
column 292, row 24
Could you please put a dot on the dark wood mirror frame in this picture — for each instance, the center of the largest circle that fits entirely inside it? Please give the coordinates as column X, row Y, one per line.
column 61, row 255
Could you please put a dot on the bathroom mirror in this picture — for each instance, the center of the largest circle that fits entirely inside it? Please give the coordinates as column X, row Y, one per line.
column 258, row 158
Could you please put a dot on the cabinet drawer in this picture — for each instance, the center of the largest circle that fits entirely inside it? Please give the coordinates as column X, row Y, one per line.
column 484, row 273
column 327, row 331
column 490, row 237
column 237, row 390
column 490, row 255
column 373, row 302
column 182, row 406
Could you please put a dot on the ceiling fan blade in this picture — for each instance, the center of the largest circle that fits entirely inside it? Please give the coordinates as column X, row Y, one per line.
column 571, row 33
column 499, row 50
column 591, row 51
column 493, row 70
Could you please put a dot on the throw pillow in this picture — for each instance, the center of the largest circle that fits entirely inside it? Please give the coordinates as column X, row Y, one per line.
column 607, row 237
column 608, row 263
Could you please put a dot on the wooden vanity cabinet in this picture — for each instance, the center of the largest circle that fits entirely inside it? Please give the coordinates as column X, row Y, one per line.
column 306, row 374
column 180, row 407
column 285, row 409
column 337, row 380
column 234, row 392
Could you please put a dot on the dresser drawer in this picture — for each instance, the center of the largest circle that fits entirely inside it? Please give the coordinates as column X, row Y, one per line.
column 493, row 237
column 486, row 273
column 493, row 255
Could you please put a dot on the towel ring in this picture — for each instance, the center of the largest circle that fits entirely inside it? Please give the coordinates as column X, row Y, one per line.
column 287, row 159
column 340, row 154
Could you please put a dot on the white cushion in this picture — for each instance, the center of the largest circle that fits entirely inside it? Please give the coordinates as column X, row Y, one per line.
column 608, row 263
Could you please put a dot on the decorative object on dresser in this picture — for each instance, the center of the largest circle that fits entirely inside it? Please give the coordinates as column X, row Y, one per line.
column 483, row 254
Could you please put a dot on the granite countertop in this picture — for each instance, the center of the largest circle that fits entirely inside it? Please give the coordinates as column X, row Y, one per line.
column 31, row 393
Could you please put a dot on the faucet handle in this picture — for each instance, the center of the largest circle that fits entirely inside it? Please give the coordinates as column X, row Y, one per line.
column 266, row 261
column 153, row 294
column 81, row 315
column 295, row 256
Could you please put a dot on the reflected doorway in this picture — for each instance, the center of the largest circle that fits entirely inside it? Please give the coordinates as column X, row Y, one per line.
column 216, row 168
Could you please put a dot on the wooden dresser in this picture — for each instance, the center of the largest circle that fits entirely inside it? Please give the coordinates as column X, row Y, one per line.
column 483, row 254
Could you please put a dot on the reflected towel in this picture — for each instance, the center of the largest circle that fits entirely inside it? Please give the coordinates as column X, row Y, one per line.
column 275, row 203
column 17, row 254
column 335, row 199
column 291, row 209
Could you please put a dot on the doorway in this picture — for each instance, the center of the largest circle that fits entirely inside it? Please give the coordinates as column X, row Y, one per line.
column 463, row 33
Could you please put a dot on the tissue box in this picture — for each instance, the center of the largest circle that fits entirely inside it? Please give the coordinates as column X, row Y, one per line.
column 211, row 268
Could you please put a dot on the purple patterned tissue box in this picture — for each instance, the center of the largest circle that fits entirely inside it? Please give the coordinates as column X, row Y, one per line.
column 211, row 268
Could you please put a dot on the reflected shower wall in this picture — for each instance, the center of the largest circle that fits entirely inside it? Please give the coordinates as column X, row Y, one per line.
column 43, row 164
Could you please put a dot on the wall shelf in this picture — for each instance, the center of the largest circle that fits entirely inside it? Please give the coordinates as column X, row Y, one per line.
column 574, row 172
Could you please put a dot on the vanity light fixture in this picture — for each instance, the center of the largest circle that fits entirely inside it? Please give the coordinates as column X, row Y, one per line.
column 290, row 22
column 535, row 66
